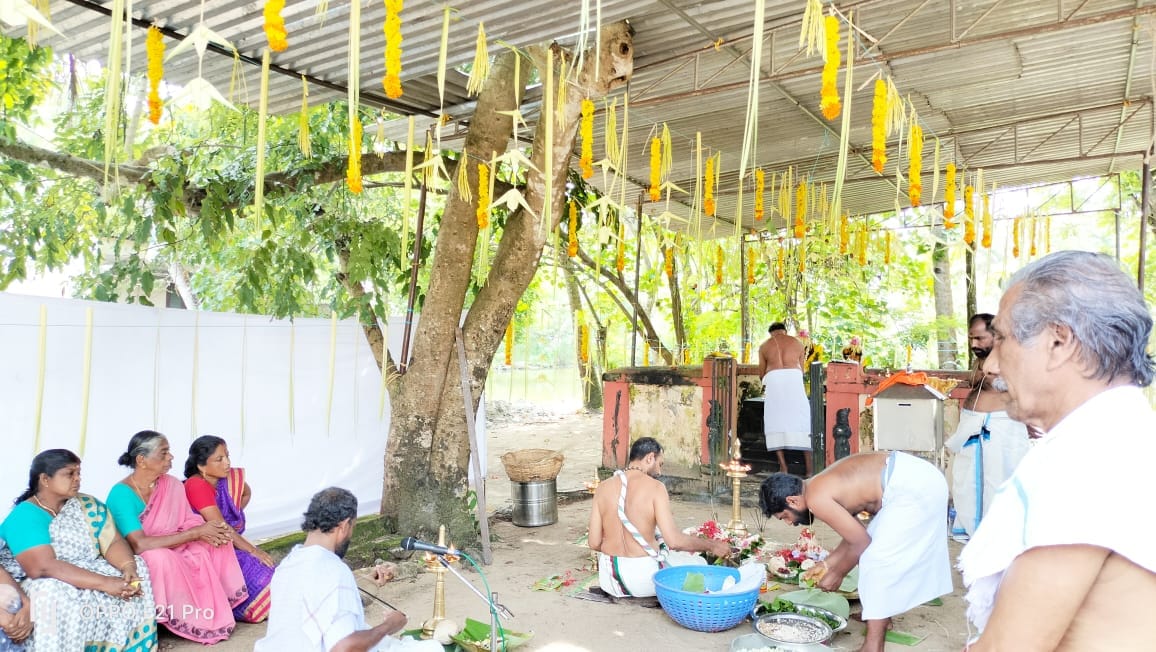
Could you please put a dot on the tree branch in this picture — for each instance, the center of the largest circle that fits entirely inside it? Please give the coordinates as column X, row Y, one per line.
column 651, row 334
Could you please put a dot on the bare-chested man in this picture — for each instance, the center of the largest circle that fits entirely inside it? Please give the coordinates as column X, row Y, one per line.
column 1064, row 558
column 632, row 527
column 988, row 444
column 901, row 554
column 786, row 411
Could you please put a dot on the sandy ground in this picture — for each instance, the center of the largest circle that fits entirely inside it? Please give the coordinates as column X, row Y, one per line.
column 562, row 623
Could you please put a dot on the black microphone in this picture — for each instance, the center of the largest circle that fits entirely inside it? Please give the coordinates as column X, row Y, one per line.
column 412, row 543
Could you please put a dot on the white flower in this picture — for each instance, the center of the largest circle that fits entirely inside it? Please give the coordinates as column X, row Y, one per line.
column 807, row 564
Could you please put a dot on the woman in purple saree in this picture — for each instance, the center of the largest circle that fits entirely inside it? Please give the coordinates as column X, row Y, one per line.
column 218, row 491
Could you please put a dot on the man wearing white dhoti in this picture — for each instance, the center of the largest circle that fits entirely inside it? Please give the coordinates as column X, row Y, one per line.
column 632, row 527
column 988, row 444
column 1064, row 560
column 901, row 554
column 786, row 411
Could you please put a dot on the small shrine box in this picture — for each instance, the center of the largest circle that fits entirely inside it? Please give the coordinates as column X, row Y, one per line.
column 909, row 418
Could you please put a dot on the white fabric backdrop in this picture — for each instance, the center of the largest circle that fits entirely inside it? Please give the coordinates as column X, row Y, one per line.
column 143, row 376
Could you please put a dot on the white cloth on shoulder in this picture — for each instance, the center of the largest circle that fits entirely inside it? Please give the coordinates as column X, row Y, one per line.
column 316, row 603
column 633, row 577
column 1057, row 496
column 982, row 462
column 786, row 411
column 906, row 563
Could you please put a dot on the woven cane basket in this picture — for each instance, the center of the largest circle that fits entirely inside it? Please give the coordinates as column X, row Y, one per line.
column 532, row 464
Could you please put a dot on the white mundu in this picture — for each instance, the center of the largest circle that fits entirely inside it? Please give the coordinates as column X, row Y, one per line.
column 786, row 411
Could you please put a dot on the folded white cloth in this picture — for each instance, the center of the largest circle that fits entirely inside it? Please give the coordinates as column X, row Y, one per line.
column 1057, row 496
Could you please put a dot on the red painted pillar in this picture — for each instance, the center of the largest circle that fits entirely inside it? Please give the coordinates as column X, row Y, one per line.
column 844, row 385
column 615, row 422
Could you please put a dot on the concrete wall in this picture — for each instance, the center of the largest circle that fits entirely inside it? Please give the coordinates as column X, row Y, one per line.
column 672, row 414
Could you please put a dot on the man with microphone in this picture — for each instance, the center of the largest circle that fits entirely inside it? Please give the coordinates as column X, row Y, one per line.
column 316, row 606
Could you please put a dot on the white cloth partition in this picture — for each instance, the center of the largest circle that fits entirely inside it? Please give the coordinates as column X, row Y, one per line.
column 299, row 402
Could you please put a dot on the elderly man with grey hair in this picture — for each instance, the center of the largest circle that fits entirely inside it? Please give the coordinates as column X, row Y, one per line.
column 1063, row 560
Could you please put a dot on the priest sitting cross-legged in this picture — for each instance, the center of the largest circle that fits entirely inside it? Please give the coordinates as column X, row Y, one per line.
column 632, row 527
column 901, row 554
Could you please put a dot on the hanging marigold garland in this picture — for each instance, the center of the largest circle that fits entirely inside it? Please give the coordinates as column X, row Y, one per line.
column 760, row 186
column 879, row 126
column 864, row 241
column 510, row 343
column 844, row 234
column 584, row 343
column 987, row 226
column 655, row 169
column 586, row 127
column 949, row 199
column 275, row 26
column 969, row 214
column 915, row 163
column 353, row 171
column 708, row 188
column 392, row 28
column 779, row 264
column 155, row 47
column 668, row 261
column 620, row 258
column 750, row 270
column 1032, row 246
column 887, row 249
column 572, row 231
column 1017, row 223
column 483, row 212
column 800, row 210
column 718, row 265
column 1048, row 234
column 829, row 102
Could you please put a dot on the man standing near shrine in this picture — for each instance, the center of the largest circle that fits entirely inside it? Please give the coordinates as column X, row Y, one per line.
column 1064, row 560
column 988, row 444
column 786, row 411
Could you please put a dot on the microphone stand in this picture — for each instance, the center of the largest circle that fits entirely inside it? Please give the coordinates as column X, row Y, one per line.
column 490, row 600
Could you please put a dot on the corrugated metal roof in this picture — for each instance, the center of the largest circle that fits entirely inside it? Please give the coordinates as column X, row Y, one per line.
column 1029, row 90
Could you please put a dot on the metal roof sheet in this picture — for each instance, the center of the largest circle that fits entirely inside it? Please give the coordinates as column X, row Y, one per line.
column 1029, row 90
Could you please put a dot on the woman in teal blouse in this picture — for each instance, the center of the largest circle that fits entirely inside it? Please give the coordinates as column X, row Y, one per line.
column 87, row 589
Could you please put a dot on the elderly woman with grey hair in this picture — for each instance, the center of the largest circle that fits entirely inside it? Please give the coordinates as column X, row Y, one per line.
column 195, row 575
column 1064, row 559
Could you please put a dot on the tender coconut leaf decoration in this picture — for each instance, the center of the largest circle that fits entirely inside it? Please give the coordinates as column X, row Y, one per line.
column 480, row 70
column 19, row 13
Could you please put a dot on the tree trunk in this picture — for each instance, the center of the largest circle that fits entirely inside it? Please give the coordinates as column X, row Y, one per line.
column 944, row 312
column 428, row 451
column 589, row 371
column 676, row 311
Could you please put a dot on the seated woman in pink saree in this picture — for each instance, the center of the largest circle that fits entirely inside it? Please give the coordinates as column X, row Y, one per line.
column 195, row 576
column 218, row 491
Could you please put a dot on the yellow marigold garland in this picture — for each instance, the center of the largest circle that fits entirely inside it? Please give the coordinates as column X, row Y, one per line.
column 353, row 171
column 864, row 241
column 844, row 234
column 620, row 258
column 829, row 102
column 887, row 249
column 483, row 212
column 655, row 169
column 572, row 231
column 584, row 343
column 1016, row 224
column 879, row 126
column 779, row 263
column 1032, row 247
column 760, row 186
column 586, row 126
column 155, row 47
column 718, row 265
column 801, row 252
column 668, row 261
column 392, row 28
column 915, row 164
column 987, row 222
column 510, row 343
column 969, row 214
column 275, row 26
column 800, row 209
column 708, row 188
column 949, row 200
column 750, row 270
